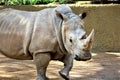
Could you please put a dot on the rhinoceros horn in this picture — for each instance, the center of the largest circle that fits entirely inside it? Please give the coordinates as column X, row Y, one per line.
column 89, row 40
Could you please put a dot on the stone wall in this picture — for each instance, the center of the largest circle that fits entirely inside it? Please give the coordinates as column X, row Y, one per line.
column 105, row 19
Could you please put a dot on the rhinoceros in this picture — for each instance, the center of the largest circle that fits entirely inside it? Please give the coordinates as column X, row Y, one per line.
column 49, row 34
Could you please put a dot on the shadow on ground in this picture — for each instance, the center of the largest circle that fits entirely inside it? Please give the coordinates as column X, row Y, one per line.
column 103, row 66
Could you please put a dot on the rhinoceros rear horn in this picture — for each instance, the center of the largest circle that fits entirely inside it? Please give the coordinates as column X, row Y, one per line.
column 89, row 39
column 60, row 15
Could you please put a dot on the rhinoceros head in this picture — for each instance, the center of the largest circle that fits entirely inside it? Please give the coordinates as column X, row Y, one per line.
column 74, row 36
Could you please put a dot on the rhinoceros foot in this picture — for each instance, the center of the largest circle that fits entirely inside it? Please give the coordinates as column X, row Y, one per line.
column 64, row 75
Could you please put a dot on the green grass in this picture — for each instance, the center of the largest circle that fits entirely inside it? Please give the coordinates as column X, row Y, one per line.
column 31, row 2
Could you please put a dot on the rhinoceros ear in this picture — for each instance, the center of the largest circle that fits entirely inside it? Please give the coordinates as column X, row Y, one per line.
column 83, row 15
column 60, row 15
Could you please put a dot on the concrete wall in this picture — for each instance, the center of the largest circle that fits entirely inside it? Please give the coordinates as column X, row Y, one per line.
column 105, row 19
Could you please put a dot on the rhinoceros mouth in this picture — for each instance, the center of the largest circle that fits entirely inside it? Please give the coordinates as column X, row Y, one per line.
column 77, row 58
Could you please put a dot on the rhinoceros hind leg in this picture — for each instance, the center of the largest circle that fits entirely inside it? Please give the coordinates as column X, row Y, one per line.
column 41, row 60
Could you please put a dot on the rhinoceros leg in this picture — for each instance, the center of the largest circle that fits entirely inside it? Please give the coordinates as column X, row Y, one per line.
column 41, row 60
column 68, row 63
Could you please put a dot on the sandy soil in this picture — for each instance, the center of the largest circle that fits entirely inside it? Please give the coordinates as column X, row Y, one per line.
column 103, row 66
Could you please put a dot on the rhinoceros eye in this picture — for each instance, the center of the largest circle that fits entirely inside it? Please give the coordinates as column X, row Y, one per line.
column 70, row 40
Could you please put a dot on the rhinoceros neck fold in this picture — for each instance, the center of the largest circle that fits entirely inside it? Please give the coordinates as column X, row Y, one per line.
column 58, row 30
column 60, row 38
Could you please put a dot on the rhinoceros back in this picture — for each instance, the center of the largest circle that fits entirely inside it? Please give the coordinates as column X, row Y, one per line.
column 15, row 33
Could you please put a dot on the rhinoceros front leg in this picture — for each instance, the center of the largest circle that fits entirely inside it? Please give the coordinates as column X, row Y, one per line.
column 41, row 60
column 68, row 63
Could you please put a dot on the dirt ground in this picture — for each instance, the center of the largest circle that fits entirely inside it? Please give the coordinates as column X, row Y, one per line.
column 103, row 66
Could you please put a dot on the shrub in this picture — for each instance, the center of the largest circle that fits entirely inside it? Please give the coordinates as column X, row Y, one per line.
column 31, row 2
column 65, row 1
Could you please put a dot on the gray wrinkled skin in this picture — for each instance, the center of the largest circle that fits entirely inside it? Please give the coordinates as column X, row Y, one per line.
column 49, row 34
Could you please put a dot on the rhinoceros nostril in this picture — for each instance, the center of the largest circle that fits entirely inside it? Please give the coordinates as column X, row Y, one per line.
column 77, row 58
